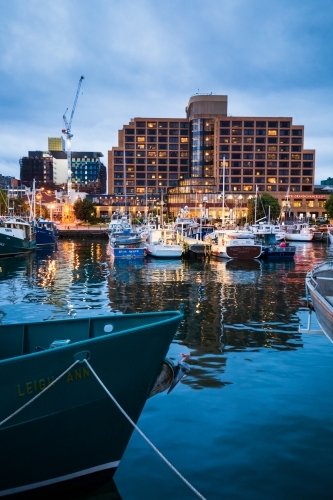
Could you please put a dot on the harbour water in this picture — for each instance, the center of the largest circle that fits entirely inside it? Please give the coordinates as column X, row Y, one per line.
column 253, row 420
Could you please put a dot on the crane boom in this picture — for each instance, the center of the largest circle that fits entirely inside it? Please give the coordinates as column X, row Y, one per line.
column 68, row 132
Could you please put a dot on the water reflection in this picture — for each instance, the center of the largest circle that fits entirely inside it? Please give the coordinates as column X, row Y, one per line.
column 228, row 304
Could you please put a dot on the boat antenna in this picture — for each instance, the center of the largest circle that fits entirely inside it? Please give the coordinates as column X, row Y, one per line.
column 223, row 190
column 125, row 190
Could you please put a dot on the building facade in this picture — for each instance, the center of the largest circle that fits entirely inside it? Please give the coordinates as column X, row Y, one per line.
column 56, row 144
column 37, row 165
column 151, row 154
column 50, row 169
column 210, row 154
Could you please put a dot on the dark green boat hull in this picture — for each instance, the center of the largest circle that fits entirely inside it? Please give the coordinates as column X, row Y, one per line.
column 15, row 246
column 74, row 430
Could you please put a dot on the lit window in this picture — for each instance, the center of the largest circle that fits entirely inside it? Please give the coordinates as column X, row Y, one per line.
column 272, row 132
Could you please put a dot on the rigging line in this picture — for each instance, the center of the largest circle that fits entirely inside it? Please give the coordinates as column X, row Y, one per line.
column 143, row 435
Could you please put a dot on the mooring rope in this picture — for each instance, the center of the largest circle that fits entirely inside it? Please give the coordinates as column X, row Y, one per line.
column 37, row 396
column 119, row 407
column 143, row 435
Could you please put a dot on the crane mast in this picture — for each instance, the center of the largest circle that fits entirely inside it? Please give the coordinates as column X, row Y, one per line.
column 68, row 133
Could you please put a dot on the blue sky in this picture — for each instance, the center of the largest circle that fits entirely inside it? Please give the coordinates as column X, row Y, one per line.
column 145, row 58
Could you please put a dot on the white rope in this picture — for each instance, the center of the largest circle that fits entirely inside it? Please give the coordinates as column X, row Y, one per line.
column 143, row 435
column 42, row 392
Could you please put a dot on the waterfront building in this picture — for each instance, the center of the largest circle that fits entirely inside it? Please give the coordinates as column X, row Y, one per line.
column 50, row 169
column 88, row 172
column 197, row 158
column 37, row 165
column 6, row 182
column 152, row 154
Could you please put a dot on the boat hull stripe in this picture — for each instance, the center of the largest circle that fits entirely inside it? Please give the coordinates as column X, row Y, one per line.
column 48, row 482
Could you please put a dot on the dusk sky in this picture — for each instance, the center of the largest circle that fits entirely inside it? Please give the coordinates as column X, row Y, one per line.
column 145, row 58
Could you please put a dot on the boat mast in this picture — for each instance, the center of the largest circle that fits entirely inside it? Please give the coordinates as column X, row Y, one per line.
column 125, row 190
column 255, row 205
column 223, row 190
column 146, row 205
column 34, row 200
column 161, row 218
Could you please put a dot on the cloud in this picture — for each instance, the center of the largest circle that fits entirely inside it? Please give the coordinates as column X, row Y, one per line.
column 147, row 58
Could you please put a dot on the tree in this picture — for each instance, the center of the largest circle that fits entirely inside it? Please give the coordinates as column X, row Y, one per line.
column 266, row 205
column 329, row 207
column 84, row 209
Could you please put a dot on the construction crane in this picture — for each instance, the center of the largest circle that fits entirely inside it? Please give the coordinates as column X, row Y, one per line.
column 68, row 132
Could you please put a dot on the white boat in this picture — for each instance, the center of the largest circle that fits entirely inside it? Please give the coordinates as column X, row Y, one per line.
column 262, row 229
column 319, row 285
column 230, row 244
column 299, row 232
column 118, row 225
column 161, row 243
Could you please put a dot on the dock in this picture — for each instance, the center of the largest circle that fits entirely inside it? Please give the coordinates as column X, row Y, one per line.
column 73, row 231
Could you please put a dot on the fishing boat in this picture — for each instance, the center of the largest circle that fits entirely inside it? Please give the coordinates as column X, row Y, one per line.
column 46, row 232
column 127, row 243
column 194, row 241
column 71, row 391
column 278, row 251
column 263, row 229
column 273, row 248
column 162, row 244
column 319, row 285
column 16, row 236
column 232, row 244
column 299, row 232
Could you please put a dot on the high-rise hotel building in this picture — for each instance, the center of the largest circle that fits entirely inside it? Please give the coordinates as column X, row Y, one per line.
column 209, row 152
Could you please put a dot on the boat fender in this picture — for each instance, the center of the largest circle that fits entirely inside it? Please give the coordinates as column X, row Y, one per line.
column 283, row 244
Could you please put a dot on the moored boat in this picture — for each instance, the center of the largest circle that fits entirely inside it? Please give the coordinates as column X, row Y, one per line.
column 162, row 244
column 264, row 229
column 228, row 244
column 278, row 251
column 59, row 425
column 319, row 285
column 16, row 236
column 46, row 232
column 126, row 244
column 298, row 232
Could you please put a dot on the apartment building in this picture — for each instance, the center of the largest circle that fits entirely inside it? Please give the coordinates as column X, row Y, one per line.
column 151, row 154
column 208, row 153
column 50, row 169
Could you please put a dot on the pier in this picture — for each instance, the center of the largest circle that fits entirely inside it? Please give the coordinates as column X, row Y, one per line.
column 77, row 231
